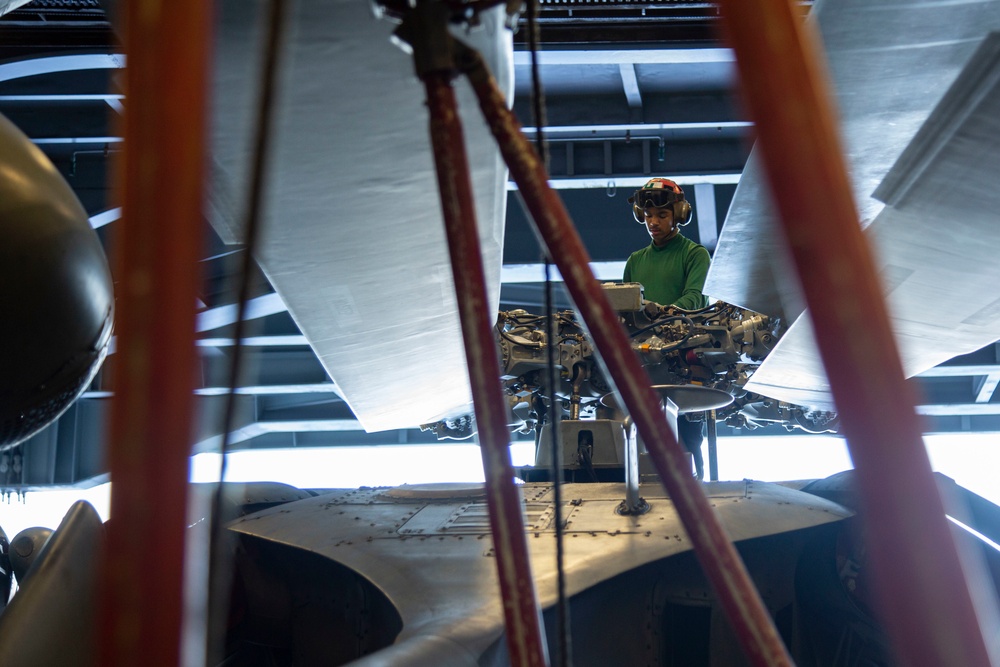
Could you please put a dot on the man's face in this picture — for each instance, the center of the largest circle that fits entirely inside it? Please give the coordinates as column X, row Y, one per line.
column 660, row 224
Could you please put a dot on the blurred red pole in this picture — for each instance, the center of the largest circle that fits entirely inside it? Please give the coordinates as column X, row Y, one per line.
column 923, row 594
column 157, row 275
column 525, row 633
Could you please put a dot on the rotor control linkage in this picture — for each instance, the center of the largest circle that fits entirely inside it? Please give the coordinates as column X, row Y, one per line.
column 751, row 621
column 723, row 567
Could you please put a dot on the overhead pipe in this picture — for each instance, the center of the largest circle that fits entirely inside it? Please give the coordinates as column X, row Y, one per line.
column 157, row 248
column 725, row 570
column 924, row 598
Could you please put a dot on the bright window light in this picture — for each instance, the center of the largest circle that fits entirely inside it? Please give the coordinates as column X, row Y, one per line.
column 968, row 458
column 971, row 459
column 47, row 508
column 350, row 467
column 781, row 458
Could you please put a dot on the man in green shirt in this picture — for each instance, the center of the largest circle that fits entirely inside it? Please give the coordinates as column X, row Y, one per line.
column 671, row 269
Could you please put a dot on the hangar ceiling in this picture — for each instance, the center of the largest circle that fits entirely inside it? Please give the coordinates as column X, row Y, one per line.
column 632, row 90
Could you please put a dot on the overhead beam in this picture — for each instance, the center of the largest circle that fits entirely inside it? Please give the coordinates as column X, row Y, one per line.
column 586, row 183
column 958, row 409
column 256, row 429
column 960, row 371
column 564, row 131
column 627, row 56
column 630, row 85
column 708, row 221
column 105, row 217
column 985, row 387
column 65, row 97
column 49, row 141
column 255, row 341
column 253, row 390
column 535, row 273
column 54, row 64
column 220, row 316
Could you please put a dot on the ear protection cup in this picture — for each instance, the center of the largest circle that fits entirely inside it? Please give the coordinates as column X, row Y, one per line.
column 682, row 211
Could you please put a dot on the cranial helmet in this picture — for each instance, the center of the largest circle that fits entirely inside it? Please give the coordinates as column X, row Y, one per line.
column 657, row 193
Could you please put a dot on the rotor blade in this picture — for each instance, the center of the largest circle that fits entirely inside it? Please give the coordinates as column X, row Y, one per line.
column 11, row 5
column 936, row 242
column 353, row 240
column 890, row 63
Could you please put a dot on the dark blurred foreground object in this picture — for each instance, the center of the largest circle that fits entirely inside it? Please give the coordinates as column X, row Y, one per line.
column 24, row 549
column 55, row 291
column 50, row 620
column 6, row 572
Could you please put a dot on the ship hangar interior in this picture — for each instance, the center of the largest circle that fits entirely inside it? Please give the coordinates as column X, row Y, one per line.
column 394, row 572
column 632, row 90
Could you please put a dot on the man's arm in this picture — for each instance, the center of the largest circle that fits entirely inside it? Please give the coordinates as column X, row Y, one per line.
column 695, row 273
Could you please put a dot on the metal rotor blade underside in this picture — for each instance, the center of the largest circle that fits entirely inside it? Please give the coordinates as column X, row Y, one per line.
column 936, row 241
column 354, row 241
column 11, row 5
column 889, row 65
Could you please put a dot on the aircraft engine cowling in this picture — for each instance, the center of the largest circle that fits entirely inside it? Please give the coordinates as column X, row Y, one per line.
column 55, row 291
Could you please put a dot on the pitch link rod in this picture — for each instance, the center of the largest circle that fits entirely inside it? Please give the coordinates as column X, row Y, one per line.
column 745, row 609
column 525, row 632
column 925, row 599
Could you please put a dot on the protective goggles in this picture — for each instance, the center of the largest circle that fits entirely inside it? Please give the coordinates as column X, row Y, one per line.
column 651, row 198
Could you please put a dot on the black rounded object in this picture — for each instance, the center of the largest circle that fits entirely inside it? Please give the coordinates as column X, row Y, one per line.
column 6, row 571
column 55, row 291
column 24, row 549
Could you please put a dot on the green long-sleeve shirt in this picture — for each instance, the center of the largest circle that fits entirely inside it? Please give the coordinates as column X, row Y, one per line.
column 671, row 275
